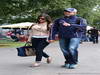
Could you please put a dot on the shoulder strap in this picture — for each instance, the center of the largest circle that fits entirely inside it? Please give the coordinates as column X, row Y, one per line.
column 31, row 26
column 29, row 29
column 78, row 20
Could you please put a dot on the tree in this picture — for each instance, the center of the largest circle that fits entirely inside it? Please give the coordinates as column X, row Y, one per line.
column 13, row 11
column 85, row 8
column 96, row 18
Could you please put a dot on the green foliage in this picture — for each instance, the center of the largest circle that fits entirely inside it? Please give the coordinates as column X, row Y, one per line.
column 85, row 8
column 9, row 43
column 96, row 19
column 13, row 11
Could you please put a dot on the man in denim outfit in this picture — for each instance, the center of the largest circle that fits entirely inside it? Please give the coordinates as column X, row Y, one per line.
column 70, row 32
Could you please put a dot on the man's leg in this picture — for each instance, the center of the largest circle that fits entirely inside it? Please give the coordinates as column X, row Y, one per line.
column 96, row 39
column 74, row 43
column 64, row 48
column 93, row 39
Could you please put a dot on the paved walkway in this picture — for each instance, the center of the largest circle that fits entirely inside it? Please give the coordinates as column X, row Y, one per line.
column 89, row 62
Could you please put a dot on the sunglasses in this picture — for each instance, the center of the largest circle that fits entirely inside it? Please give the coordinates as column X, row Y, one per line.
column 42, row 18
column 68, row 11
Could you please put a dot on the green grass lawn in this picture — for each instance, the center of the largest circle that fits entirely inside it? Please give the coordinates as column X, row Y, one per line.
column 9, row 43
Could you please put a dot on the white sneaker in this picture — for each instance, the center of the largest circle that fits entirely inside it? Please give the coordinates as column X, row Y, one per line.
column 36, row 64
column 73, row 66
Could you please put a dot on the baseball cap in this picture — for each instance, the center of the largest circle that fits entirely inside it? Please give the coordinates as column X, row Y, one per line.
column 70, row 10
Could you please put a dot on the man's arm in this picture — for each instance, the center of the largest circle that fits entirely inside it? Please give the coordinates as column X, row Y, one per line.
column 54, row 30
column 81, row 26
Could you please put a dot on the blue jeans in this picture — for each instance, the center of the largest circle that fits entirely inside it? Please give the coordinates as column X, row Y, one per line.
column 69, row 48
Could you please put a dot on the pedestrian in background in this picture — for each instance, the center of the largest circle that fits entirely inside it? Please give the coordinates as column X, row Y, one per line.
column 94, row 33
column 38, row 36
column 69, row 29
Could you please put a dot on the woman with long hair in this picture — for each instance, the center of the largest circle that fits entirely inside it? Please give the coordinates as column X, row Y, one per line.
column 38, row 36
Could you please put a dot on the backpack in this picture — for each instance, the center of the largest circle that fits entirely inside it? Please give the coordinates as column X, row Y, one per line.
column 80, row 18
column 84, row 30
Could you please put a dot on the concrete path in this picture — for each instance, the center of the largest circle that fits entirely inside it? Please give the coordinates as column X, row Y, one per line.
column 89, row 62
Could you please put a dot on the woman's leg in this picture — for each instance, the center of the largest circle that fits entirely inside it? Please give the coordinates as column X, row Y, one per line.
column 45, row 55
column 35, row 43
column 39, row 44
column 39, row 49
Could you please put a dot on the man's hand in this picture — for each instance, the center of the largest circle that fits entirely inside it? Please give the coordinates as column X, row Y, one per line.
column 56, row 37
column 66, row 24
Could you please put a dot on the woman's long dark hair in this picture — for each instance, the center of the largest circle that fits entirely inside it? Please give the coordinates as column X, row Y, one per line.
column 47, row 18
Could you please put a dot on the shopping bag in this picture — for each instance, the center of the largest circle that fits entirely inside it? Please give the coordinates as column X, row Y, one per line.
column 25, row 50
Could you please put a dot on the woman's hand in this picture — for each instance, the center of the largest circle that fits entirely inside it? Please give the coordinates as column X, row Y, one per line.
column 50, row 41
column 28, row 41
